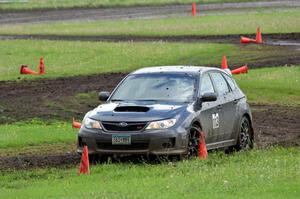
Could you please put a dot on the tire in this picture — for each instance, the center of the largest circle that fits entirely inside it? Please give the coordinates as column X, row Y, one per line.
column 245, row 136
column 193, row 141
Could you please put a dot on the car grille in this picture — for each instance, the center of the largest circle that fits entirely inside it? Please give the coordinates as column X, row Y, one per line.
column 133, row 146
column 130, row 126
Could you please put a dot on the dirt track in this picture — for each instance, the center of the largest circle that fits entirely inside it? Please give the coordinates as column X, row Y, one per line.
column 45, row 98
column 272, row 124
column 39, row 161
column 34, row 16
column 269, row 39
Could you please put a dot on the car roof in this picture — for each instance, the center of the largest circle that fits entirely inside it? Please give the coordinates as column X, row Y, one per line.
column 192, row 70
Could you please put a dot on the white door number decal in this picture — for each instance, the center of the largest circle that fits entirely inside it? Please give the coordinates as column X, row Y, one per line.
column 215, row 119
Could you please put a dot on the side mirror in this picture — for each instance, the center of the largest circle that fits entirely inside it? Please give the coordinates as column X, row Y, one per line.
column 103, row 96
column 209, row 97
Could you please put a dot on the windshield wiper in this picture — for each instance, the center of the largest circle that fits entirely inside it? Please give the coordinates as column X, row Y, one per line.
column 162, row 100
column 116, row 100
column 148, row 100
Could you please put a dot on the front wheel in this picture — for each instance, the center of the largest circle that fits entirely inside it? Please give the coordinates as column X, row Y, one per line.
column 245, row 139
column 193, row 141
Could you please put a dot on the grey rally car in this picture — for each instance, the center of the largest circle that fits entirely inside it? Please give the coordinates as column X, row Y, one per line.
column 161, row 110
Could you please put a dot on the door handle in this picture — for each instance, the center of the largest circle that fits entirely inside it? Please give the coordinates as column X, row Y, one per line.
column 219, row 107
column 235, row 101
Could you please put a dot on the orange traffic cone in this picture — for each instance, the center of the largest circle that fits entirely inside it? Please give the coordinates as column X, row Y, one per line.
column 42, row 66
column 75, row 124
column 242, row 69
column 246, row 40
column 194, row 9
column 224, row 63
column 258, row 36
column 202, row 151
column 26, row 71
column 84, row 164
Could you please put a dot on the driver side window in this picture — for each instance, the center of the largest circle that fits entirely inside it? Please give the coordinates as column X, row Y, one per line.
column 206, row 85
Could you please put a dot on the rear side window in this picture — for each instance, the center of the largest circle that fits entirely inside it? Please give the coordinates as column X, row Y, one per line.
column 206, row 85
column 220, row 83
column 230, row 82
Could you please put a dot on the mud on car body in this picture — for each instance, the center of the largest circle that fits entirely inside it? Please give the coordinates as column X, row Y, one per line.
column 161, row 110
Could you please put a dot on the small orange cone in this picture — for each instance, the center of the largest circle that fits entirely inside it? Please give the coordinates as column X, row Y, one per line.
column 76, row 125
column 242, row 69
column 194, row 11
column 224, row 63
column 202, row 151
column 258, row 36
column 42, row 66
column 84, row 164
column 24, row 70
column 246, row 40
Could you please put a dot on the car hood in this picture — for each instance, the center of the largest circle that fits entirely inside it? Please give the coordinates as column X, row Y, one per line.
column 136, row 112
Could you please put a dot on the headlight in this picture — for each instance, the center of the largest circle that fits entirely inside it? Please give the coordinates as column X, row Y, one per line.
column 163, row 124
column 91, row 124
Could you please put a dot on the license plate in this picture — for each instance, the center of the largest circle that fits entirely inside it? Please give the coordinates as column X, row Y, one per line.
column 121, row 139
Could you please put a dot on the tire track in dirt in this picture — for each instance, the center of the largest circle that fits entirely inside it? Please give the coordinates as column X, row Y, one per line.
column 269, row 39
column 21, row 162
column 45, row 98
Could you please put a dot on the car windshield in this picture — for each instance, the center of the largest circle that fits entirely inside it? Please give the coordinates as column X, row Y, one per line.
column 156, row 87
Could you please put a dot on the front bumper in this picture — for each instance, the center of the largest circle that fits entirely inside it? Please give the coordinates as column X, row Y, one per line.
column 158, row 142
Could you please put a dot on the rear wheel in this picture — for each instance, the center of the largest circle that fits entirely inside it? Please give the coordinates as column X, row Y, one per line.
column 245, row 139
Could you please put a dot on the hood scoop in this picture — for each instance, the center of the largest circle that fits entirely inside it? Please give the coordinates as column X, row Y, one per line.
column 131, row 109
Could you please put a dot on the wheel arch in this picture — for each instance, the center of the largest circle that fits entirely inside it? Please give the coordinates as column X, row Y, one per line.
column 196, row 123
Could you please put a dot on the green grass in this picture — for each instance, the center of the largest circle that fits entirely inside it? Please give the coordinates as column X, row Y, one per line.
column 37, row 4
column 276, row 21
column 271, row 173
column 33, row 133
column 272, row 85
column 80, row 58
